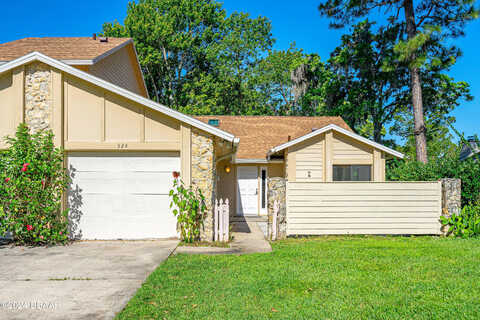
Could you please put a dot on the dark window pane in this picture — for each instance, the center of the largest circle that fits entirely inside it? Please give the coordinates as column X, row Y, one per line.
column 352, row 173
column 362, row 173
column 341, row 173
column 264, row 186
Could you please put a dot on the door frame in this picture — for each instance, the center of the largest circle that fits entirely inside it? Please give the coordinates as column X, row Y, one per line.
column 237, row 192
column 262, row 211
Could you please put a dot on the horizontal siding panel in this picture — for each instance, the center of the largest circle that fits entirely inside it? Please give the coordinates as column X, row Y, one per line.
column 370, row 197
column 363, row 208
column 365, row 226
column 359, row 220
column 380, row 231
column 360, row 192
column 339, row 212
column 357, row 186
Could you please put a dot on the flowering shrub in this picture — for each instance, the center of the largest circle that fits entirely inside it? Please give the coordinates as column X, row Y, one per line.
column 189, row 209
column 32, row 181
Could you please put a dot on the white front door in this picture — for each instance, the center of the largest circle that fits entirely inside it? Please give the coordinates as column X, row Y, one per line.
column 247, row 190
column 122, row 195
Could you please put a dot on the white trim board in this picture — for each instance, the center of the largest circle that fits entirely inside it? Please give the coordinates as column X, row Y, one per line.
column 338, row 129
column 37, row 56
column 262, row 161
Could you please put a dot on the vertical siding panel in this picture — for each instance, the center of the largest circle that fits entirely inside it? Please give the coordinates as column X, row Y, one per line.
column 329, row 156
column 57, row 90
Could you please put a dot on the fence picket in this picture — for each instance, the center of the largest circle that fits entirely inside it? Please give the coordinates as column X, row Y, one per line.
column 276, row 207
column 222, row 220
column 215, row 227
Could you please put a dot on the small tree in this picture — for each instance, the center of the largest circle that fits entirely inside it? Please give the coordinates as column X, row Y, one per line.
column 32, row 181
column 189, row 209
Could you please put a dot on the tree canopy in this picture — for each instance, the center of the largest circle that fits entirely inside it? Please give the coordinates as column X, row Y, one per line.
column 424, row 25
column 200, row 60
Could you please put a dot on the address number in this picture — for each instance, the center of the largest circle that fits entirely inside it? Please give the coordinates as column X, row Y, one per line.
column 122, row 146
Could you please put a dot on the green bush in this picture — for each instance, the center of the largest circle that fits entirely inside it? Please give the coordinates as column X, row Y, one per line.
column 446, row 167
column 189, row 208
column 466, row 224
column 32, row 182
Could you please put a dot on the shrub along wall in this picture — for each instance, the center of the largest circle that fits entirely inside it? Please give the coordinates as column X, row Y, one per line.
column 32, row 181
column 467, row 171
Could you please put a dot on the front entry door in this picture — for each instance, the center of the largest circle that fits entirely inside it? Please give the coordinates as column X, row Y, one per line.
column 247, row 190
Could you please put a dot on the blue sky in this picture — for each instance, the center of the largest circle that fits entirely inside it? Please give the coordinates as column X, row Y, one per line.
column 298, row 22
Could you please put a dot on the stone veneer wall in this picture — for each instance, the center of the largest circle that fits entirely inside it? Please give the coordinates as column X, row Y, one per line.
column 451, row 198
column 277, row 191
column 203, row 175
column 38, row 96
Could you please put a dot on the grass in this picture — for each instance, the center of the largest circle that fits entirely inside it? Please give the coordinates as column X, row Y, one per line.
column 217, row 244
column 324, row 278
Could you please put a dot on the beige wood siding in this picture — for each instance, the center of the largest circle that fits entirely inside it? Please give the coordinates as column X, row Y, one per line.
column 119, row 68
column 350, row 151
column 363, row 208
column 11, row 103
column 276, row 170
column 99, row 120
column 313, row 159
column 309, row 158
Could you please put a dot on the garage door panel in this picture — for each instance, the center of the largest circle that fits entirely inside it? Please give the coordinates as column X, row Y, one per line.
column 126, row 206
column 120, row 201
column 116, row 162
column 125, row 182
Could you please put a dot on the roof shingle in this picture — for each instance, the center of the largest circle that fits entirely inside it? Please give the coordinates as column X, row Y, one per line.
column 60, row 48
column 259, row 134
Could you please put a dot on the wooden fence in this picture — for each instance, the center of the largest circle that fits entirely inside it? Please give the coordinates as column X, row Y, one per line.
column 222, row 221
column 315, row 208
column 276, row 209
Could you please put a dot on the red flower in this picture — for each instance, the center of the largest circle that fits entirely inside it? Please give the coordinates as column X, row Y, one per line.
column 25, row 167
column 43, row 184
column 60, row 232
column 41, row 237
column 29, row 227
column 7, row 179
column 176, row 174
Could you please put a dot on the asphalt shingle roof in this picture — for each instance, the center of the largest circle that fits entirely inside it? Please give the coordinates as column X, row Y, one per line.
column 258, row 134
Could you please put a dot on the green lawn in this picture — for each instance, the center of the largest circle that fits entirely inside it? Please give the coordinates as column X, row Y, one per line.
column 325, row 278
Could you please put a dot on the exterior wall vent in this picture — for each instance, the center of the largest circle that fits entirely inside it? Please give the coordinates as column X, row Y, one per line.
column 214, row 122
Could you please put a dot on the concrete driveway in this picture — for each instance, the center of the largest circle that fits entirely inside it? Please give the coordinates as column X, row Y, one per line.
column 84, row 280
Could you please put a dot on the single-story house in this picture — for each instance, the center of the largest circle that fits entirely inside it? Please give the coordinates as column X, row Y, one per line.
column 122, row 147
column 318, row 149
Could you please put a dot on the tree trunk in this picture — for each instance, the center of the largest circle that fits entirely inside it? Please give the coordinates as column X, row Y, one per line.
column 377, row 131
column 416, row 89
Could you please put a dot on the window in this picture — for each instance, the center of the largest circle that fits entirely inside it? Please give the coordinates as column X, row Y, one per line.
column 214, row 122
column 264, row 189
column 352, row 173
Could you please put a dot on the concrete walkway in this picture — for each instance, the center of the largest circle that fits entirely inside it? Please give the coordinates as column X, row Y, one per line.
column 84, row 280
column 247, row 238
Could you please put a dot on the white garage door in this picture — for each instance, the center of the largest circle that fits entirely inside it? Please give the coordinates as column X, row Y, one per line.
column 122, row 195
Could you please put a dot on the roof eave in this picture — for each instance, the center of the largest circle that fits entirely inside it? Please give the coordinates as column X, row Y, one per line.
column 338, row 129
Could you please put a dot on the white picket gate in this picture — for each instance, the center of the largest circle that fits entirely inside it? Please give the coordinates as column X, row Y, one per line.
column 276, row 208
column 222, row 220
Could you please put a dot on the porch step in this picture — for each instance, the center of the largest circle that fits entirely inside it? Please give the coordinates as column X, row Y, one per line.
column 249, row 219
